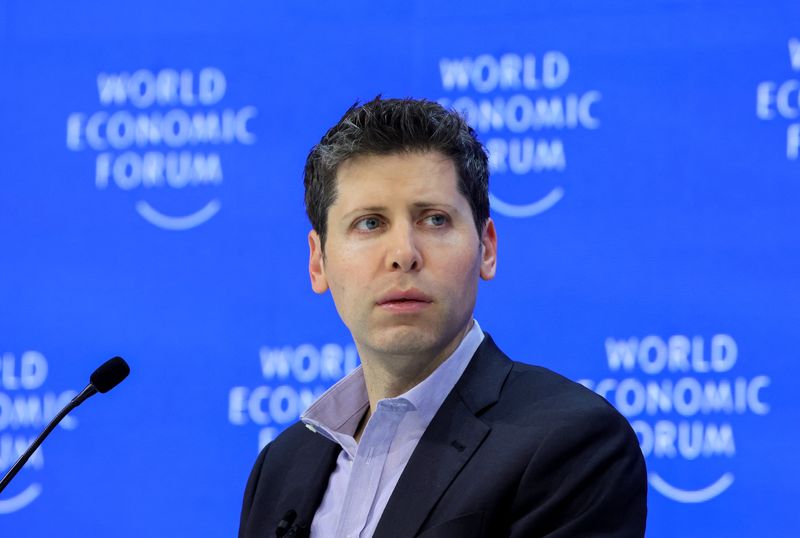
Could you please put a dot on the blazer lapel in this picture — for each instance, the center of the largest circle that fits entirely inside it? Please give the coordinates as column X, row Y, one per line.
column 447, row 445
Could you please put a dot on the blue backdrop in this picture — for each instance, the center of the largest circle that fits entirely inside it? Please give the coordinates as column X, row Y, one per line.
column 645, row 188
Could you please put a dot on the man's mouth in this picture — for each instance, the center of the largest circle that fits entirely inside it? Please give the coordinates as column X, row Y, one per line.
column 404, row 301
column 411, row 294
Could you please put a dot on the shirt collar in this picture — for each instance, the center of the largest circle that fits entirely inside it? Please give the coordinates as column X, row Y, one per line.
column 337, row 412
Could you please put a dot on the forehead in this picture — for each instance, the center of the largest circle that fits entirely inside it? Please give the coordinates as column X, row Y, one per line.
column 398, row 177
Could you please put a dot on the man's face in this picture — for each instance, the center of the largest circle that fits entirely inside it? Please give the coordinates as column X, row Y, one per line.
column 402, row 255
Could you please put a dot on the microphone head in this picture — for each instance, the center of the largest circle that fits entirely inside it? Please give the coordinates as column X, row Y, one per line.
column 110, row 374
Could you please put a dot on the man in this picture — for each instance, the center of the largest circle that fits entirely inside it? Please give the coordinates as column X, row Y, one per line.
column 438, row 433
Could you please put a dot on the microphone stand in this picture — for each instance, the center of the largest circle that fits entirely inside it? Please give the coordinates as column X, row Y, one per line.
column 90, row 390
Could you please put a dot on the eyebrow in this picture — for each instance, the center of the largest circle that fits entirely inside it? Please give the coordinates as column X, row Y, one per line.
column 415, row 205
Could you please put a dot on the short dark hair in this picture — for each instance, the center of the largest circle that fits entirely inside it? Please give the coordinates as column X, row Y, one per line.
column 389, row 126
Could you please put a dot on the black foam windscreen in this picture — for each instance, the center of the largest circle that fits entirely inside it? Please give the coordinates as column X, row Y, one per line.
column 110, row 374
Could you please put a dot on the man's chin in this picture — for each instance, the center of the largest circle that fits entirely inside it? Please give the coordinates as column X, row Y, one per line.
column 404, row 340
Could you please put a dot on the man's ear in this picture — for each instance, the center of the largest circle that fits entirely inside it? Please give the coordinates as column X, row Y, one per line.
column 316, row 263
column 488, row 250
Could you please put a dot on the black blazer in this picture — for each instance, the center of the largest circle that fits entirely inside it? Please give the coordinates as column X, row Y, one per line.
column 515, row 450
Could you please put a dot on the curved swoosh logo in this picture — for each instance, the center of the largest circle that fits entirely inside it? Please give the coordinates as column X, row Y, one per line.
column 690, row 496
column 186, row 222
column 526, row 210
column 20, row 501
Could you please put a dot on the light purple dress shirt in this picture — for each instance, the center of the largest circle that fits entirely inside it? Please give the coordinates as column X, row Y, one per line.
column 367, row 472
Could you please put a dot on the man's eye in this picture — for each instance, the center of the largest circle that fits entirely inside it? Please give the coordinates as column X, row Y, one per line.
column 369, row 223
column 437, row 219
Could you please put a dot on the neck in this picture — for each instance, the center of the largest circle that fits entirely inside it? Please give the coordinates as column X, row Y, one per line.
column 388, row 376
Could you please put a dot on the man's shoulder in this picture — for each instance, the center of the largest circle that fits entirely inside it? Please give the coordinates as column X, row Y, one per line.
column 289, row 455
column 297, row 462
column 493, row 372
column 541, row 386
column 536, row 395
column 580, row 451
column 552, row 416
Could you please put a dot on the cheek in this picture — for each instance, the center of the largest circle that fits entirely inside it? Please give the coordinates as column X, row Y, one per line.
column 347, row 277
column 460, row 272
column 351, row 252
column 466, row 259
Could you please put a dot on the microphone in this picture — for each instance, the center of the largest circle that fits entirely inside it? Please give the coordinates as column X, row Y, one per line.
column 288, row 528
column 106, row 377
column 285, row 524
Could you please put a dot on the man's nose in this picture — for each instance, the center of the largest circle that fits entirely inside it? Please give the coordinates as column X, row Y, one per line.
column 403, row 252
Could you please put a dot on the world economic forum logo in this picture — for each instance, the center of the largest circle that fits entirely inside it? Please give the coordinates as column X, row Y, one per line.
column 521, row 105
column 778, row 100
column 683, row 399
column 157, row 134
column 26, row 407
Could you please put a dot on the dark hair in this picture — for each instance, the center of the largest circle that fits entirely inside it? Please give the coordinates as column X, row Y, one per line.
column 388, row 126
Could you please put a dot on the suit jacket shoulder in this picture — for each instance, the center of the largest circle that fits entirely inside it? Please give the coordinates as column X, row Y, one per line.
column 291, row 473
